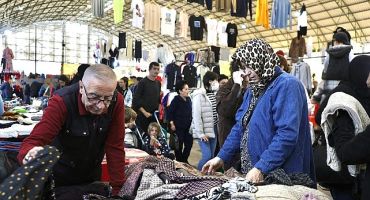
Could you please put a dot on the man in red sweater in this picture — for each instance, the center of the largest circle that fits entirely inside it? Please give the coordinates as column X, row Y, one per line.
column 84, row 121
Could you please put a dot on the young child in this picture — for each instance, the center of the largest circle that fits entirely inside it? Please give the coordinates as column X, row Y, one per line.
column 132, row 139
column 155, row 143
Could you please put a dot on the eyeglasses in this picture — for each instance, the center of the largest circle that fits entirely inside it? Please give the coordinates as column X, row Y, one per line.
column 95, row 99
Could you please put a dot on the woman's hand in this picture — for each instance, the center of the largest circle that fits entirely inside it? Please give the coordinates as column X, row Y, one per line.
column 204, row 138
column 254, row 175
column 212, row 165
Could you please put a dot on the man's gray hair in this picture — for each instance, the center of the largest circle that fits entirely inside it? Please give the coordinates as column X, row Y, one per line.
column 100, row 72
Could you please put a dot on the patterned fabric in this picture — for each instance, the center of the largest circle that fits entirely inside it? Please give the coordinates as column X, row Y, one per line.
column 152, row 187
column 196, row 185
column 279, row 176
column 259, row 56
column 212, row 98
column 229, row 189
column 133, row 176
column 29, row 180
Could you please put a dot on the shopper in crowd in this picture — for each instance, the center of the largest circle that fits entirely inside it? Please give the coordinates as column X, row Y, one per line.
column 272, row 130
column 6, row 90
column 179, row 117
column 133, row 83
column 36, row 83
column 346, row 113
column 80, row 73
column 62, row 81
column 229, row 98
column 222, row 79
column 147, row 98
column 84, row 121
column 205, row 117
column 155, row 143
column 26, row 92
column 1, row 105
column 122, row 87
column 339, row 56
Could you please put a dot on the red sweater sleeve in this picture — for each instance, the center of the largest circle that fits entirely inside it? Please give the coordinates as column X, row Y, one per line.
column 47, row 129
column 114, row 148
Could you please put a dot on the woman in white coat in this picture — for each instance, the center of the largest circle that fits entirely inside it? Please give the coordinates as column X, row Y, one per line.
column 205, row 117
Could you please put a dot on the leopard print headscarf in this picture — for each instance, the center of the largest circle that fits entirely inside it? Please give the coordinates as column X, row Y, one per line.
column 259, row 56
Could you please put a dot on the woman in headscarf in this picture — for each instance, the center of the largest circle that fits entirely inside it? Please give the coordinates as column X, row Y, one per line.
column 272, row 130
column 346, row 124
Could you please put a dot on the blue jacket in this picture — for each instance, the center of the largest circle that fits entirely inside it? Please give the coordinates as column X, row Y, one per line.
column 279, row 132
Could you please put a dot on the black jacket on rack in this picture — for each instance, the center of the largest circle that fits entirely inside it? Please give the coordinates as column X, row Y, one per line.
column 173, row 73
column 190, row 75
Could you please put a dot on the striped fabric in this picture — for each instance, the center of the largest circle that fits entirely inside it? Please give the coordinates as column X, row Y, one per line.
column 212, row 97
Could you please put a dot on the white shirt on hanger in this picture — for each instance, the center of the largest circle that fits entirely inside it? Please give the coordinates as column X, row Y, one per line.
column 222, row 35
column 168, row 18
column 137, row 8
column 211, row 31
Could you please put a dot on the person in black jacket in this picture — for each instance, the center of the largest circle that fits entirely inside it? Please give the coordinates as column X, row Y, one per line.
column 351, row 147
column 180, row 116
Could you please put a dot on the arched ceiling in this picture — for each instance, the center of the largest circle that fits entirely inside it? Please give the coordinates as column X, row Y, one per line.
column 323, row 18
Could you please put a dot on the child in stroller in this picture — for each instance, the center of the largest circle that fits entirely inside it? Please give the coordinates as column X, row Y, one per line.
column 133, row 137
column 155, row 143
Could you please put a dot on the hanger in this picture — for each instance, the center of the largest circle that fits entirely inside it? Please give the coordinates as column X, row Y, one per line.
column 153, row 2
column 168, row 5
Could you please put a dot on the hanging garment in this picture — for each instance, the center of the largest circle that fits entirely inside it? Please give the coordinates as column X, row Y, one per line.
column 138, row 52
column 137, row 8
column 152, row 17
column 222, row 35
column 118, row 11
column 216, row 51
column 239, row 8
column 232, row 33
column 302, row 22
column 9, row 56
column 297, row 49
column 222, row 5
column 211, row 31
column 224, row 54
column 262, row 13
column 280, row 14
column 129, row 48
column 197, row 24
column 184, row 23
column 173, row 74
column 168, row 21
column 122, row 40
column 190, row 75
column 302, row 72
column 97, row 7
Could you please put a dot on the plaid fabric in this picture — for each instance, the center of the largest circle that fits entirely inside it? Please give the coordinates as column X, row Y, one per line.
column 29, row 180
column 196, row 185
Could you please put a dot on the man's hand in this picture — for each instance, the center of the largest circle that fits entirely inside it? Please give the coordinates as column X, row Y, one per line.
column 147, row 115
column 31, row 154
column 212, row 165
column 254, row 175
